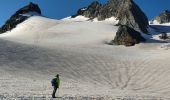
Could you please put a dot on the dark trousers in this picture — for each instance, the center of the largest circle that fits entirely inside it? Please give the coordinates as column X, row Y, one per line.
column 54, row 91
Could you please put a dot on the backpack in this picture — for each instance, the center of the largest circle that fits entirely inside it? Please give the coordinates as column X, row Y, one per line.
column 53, row 82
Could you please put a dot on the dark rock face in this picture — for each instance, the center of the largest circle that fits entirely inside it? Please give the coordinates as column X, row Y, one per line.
column 163, row 17
column 127, row 36
column 91, row 11
column 164, row 36
column 109, row 9
column 97, row 10
column 126, row 11
column 131, row 15
column 19, row 17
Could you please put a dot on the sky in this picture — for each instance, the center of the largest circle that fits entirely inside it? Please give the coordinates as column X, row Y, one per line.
column 58, row 9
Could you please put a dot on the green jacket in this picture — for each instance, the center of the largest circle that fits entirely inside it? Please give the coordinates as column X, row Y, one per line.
column 57, row 82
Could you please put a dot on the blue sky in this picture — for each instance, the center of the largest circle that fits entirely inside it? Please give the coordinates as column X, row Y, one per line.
column 61, row 8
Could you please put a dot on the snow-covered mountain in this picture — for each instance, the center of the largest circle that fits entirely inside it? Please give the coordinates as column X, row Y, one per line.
column 33, row 52
column 37, row 49
column 21, row 15
column 128, row 14
column 126, row 11
column 161, row 24
column 162, row 18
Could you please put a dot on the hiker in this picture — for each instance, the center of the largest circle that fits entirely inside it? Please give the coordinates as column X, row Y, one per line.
column 55, row 83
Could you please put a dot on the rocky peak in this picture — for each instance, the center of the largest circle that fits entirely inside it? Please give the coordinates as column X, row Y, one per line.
column 126, row 11
column 20, row 16
column 164, row 17
column 109, row 9
column 31, row 7
column 115, row 2
column 97, row 10
column 94, row 4
column 91, row 11
column 131, row 15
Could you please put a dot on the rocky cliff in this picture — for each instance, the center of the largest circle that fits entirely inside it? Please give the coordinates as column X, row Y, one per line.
column 164, row 17
column 131, row 15
column 20, row 16
column 126, row 11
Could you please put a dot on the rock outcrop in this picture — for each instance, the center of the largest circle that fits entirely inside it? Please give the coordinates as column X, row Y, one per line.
column 20, row 16
column 163, row 17
column 126, row 11
column 127, row 36
column 97, row 10
column 91, row 11
column 131, row 15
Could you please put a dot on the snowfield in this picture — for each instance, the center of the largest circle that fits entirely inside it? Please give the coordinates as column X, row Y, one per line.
column 39, row 48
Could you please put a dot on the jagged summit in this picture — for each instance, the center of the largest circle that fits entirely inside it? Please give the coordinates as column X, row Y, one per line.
column 131, row 15
column 97, row 10
column 126, row 11
column 91, row 11
column 164, row 17
column 20, row 16
column 31, row 7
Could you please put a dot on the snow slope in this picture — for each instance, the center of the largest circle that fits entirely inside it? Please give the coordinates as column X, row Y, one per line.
column 39, row 48
column 71, row 32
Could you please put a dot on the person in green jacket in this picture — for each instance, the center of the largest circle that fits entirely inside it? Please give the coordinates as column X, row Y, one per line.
column 55, row 83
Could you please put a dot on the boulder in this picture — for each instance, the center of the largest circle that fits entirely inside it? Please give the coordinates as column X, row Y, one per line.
column 127, row 36
column 164, row 36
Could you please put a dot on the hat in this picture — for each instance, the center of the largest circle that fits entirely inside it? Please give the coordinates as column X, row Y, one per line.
column 57, row 75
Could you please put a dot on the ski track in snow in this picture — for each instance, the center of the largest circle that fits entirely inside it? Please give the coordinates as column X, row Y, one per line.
column 87, row 68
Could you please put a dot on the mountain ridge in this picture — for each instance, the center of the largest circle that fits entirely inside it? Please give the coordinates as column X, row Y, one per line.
column 163, row 17
column 21, row 15
column 126, row 11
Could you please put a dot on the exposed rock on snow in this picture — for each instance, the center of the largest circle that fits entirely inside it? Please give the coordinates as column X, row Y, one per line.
column 99, row 11
column 45, row 47
column 163, row 17
column 164, row 36
column 20, row 16
column 39, row 48
column 127, row 36
column 91, row 11
column 126, row 11
column 131, row 15
column 109, row 9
